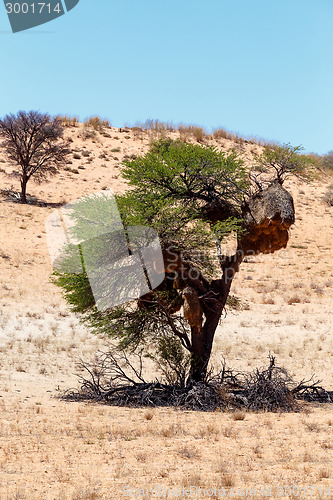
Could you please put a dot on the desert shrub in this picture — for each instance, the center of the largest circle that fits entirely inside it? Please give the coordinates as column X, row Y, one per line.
column 295, row 299
column 68, row 121
column 87, row 133
column 328, row 196
column 234, row 302
column 154, row 125
column 96, row 123
column 195, row 131
column 327, row 161
column 221, row 133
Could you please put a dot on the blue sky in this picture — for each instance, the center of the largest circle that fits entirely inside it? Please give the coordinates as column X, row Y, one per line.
column 260, row 68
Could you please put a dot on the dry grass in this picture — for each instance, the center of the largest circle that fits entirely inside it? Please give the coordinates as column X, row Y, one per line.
column 103, row 453
column 328, row 196
column 69, row 121
column 96, row 123
column 221, row 133
column 60, row 450
column 189, row 131
column 238, row 415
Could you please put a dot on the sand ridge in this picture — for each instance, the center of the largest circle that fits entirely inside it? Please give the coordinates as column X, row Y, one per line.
column 52, row 449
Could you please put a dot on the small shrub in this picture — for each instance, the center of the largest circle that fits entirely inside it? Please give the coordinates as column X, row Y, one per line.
column 96, row 123
column 294, row 300
column 188, row 452
column 227, row 480
column 192, row 130
column 87, row 133
column 324, row 474
column 327, row 161
column 328, row 196
column 76, row 156
column 221, row 133
column 155, row 126
column 68, row 121
column 238, row 415
column 234, row 302
column 149, row 415
column 268, row 300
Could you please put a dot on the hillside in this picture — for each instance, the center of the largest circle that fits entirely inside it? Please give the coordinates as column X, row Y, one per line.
column 50, row 449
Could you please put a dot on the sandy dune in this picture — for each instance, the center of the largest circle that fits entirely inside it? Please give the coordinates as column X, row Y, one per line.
column 50, row 449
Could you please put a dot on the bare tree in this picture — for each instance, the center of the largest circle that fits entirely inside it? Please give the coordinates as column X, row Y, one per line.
column 32, row 142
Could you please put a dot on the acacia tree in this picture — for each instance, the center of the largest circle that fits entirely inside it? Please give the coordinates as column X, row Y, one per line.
column 32, row 142
column 193, row 196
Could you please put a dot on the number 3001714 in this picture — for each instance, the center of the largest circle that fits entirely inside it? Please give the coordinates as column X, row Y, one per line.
column 32, row 8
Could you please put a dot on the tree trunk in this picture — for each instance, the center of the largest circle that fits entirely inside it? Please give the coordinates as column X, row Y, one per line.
column 24, row 181
column 202, row 343
column 203, row 337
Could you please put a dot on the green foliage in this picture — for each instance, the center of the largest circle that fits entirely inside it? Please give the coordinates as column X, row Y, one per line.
column 174, row 188
column 94, row 216
column 178, row 171
column 285, row 160
column 224, row 228
column 170, row 185
column 76, row 289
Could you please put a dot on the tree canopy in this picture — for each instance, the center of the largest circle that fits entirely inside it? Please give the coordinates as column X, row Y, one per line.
column 193, row 196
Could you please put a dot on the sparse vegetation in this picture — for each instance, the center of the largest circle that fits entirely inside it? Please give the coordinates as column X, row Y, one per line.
column 68, row 121
column 96, row 123
column 327, row 161
column 186, row 131
column 328, row 196
column 90, row 451
column 155, row 126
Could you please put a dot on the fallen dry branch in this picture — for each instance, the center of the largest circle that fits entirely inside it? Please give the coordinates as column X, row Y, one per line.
column 309, row 390
column 113, row 379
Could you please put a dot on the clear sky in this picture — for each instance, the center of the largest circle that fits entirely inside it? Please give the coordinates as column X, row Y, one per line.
column 260, row 68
